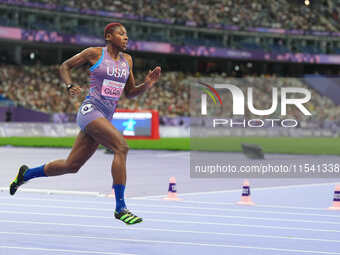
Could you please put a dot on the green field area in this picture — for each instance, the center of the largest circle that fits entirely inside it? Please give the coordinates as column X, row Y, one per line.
column 287, row 145
column 67, row 142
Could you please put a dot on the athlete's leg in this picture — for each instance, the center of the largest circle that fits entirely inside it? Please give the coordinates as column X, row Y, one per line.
column 82, row 150
column 106, row 134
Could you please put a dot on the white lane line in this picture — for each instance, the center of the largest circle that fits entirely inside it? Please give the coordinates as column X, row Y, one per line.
column 179, row 202
column 175, row 207
column 173, row 221
column 236, row 210
column 57, row 214
column 170, row 230
column 239, row 190
column 179, row 243
column 28, row 199
column 58, row 192
column 60, row 250
column 256, row 206
column 185, row 207
column 58, row 207
column 245, row 225
column 181, row 214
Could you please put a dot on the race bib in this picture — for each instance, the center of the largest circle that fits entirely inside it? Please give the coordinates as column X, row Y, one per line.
column 112, row 89
column 86, row 109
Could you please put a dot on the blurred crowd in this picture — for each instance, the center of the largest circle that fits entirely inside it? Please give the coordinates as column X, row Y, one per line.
column 40, row 88
column 322, row 15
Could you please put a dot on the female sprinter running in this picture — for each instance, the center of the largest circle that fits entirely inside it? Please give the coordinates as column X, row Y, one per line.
column 110, row 75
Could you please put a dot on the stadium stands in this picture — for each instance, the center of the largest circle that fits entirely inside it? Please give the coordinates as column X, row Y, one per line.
column 39, row 87
column 257, row 13
column 31, row 86
column 278, row 17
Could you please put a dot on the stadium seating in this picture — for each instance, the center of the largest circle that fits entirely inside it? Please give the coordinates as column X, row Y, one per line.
column 285, row 14
column 39, row 88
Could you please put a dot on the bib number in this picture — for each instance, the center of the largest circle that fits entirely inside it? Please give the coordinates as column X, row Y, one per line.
column 86, row 109
column 112, row 89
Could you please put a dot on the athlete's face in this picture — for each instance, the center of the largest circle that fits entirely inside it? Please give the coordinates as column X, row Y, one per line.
column 118, row 38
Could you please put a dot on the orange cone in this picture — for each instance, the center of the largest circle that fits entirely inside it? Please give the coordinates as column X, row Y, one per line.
column 245, row 199
column 172, row 192
column 336, row 199
column 112, row 194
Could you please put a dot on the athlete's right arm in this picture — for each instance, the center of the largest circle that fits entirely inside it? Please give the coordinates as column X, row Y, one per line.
column 89, row 55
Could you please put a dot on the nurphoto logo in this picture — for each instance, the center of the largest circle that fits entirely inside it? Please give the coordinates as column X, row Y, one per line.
column 240, row 102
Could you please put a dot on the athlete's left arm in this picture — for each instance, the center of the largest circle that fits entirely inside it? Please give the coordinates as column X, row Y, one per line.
column 131, row 90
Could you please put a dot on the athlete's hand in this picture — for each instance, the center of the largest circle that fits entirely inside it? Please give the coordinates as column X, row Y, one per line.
column 74, row 91
column 152, row 77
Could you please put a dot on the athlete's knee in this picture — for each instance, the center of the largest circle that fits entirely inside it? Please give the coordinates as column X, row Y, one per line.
column 122, row 148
